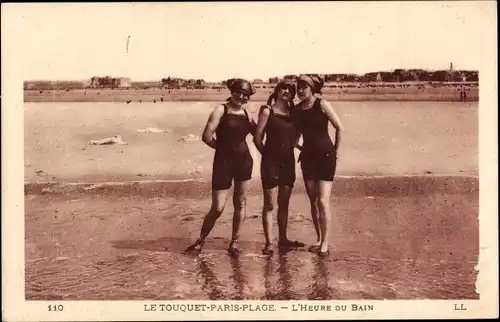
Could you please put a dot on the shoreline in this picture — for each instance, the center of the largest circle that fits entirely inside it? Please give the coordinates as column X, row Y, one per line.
column 444, row 94
column 384, row 186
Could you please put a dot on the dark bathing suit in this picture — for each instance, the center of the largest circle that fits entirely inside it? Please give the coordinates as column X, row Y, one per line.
column 232, row 158
column 278, row 161
column 318, row 158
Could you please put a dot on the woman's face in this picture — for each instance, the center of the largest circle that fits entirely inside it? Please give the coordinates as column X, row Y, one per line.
column 304, row 90
column 285, row 93
column 239, row 98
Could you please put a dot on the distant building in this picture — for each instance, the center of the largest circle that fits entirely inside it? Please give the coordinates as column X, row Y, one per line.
column 109, row 82
column 125, row 82
column 373, row 77
column 173, row 83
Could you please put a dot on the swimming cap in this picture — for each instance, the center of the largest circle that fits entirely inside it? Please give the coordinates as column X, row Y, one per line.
column 286, row 84
column 241, row 85
column 314, row 81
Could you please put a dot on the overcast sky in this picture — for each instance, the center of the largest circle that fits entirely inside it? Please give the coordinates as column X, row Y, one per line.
column 216, row 41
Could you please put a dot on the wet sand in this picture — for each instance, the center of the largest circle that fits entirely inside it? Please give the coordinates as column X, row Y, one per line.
column 392, row 244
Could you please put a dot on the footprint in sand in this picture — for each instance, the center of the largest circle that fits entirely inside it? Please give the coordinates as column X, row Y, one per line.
column 151, row 130
column 188, row 218
column 60, row 259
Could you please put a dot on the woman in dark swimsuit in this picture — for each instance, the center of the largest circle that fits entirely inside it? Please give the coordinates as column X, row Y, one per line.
column 278, row 161
column 319, row 154
column 232, row 161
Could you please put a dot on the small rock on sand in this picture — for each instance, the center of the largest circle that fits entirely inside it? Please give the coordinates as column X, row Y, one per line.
column 116, row 139
column 197, row 170
column 190, row 138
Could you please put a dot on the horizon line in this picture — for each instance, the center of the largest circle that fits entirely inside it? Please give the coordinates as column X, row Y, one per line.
column 247, row 78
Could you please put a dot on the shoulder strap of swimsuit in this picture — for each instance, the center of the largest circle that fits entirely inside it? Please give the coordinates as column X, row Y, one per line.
column 271, row 110
column 225, row 108
column 317, row 103
column 246, row 113
column 262, row 107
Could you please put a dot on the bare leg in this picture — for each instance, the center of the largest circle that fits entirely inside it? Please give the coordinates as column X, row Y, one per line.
column 325, row 215
column 312, row 190
column 267, row 214
column 219, row 198
column 239, row 202
column 218, row 204
column 284, row 194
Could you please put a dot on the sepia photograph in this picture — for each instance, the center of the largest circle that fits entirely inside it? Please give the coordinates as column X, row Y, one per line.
column 226, row 159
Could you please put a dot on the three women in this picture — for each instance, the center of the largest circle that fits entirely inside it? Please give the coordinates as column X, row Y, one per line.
column 282, row 124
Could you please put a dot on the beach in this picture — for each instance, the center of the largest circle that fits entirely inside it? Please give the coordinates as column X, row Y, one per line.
column 110, row 222
column 126, row 243
column 409, row 93
column 381, row 138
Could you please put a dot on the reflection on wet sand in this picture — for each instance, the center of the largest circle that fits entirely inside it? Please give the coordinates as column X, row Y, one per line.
column 216, row 290
column 268, row 271
column 320, row 288
column 234, row 288
column 239, row 278
column 279, row 281
column 211, row 285
column 282, row 290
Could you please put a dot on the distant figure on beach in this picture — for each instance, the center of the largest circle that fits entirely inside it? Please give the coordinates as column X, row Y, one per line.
column 231, row 124
column 319, row 155
column 463, row 94
column 278, row 161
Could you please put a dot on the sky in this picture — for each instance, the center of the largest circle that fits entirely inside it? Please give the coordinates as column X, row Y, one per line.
column 216, row 41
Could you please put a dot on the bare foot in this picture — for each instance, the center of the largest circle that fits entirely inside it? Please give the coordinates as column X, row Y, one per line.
column 323, row 251
column 290, row 244
column 195, row 248
column 233, row 250
column 268, row 250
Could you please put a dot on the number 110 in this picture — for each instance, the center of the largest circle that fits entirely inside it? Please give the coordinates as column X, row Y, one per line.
column 56, row 308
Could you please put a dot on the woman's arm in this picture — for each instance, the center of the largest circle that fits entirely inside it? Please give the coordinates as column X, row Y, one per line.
column 297, row 140
column 334, row 120
column 259, row 129
column 211, row 126
column 253, row 126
